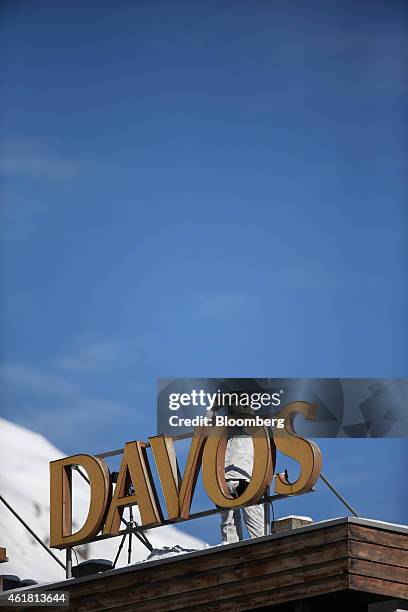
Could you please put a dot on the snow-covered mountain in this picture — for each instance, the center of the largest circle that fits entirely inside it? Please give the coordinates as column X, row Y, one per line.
column 24, row 483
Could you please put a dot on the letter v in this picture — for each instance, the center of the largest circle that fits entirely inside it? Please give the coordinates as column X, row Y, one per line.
column 178, row 493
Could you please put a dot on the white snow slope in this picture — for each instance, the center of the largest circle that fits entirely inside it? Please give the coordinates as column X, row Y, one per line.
column 24, row 483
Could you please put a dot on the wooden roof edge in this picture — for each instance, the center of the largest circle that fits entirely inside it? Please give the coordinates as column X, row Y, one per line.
column 377, row 524
column 392, row 527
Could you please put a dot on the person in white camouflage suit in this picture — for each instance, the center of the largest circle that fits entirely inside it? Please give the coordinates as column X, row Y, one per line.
column 238, row 470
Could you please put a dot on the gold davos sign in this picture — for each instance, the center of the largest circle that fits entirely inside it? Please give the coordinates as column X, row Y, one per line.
column 207, row 452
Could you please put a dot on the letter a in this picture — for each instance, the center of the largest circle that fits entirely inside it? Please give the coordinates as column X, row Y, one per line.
column 135, row 470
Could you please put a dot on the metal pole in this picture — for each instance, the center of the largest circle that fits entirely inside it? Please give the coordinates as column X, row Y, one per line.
column 338, row 495
column 130, row 536
column 267, row 513
column 68, row 556
column 35, row 536
column 119, row 550
column 130, row 548
column 119, row 451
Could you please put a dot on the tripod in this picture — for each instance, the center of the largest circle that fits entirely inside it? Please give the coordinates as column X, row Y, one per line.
column 130, row 524
column 133, row 526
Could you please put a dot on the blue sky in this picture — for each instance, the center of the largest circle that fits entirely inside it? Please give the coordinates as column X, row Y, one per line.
column 202, row 189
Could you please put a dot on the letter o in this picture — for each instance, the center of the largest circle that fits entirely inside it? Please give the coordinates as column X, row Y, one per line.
column 213, row 467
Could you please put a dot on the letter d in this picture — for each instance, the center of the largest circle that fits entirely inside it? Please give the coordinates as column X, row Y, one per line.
column 61, row 535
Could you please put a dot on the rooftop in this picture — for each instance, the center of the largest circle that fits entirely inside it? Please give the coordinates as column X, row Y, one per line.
column 352, row 559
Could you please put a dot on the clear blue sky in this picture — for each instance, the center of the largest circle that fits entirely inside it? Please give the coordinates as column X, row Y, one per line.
column 202, row 189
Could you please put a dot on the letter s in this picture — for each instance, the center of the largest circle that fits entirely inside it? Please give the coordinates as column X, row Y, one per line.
column 305, row 452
